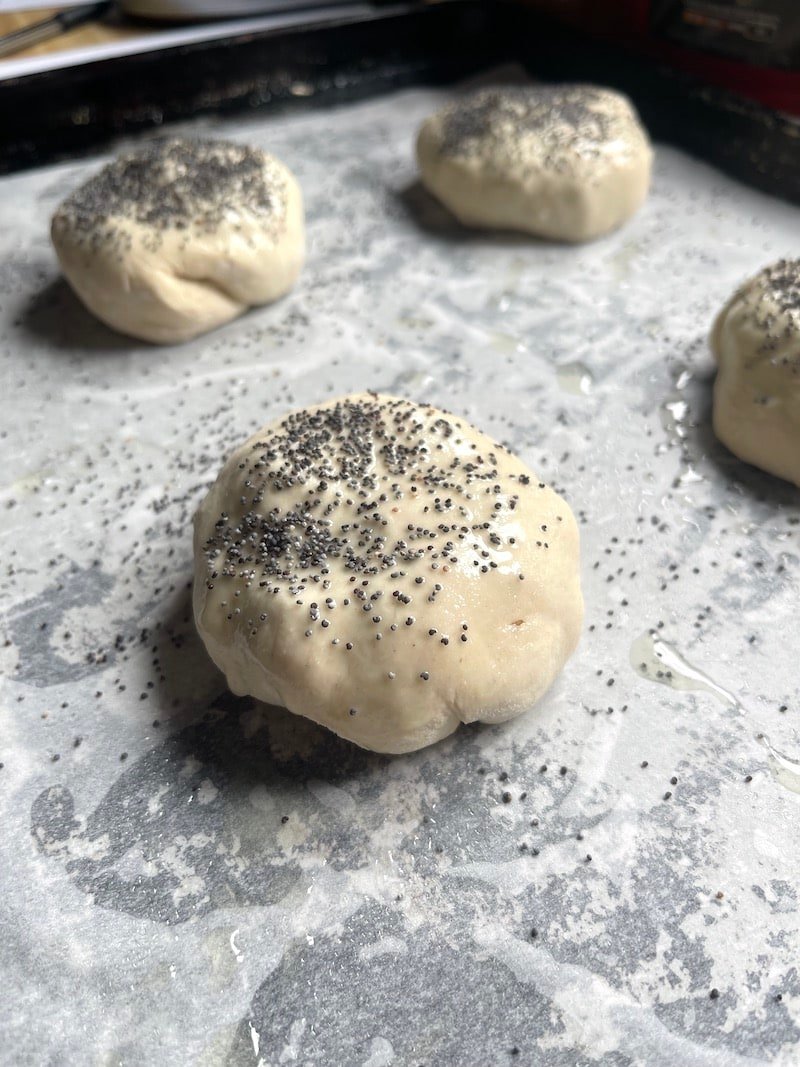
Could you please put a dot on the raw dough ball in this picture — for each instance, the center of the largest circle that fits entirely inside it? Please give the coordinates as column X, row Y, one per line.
column 178, row 237
column 569, row 162
column 386, row 570
column 756, row 342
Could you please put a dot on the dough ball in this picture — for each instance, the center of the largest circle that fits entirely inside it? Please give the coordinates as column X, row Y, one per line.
column 756, row 342
column 387, row 570
column 570, row 162
column 176, row 238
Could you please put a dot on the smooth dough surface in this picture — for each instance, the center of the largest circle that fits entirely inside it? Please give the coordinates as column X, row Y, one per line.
column 174, row 239
column 569, row 162
column 387, row 570
column 756, row 342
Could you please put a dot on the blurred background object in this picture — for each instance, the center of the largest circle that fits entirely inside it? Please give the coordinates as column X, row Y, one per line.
column 31, row 29
column 751, row 47
column 34, row 31
column 210, row 9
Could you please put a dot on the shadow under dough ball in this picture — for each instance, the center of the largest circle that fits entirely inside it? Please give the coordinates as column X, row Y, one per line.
column 568, row 162
column 180, row 236
column 756, row 343
column 387, row 570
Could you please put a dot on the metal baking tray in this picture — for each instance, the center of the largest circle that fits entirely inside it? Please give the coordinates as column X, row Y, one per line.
column 55, row 114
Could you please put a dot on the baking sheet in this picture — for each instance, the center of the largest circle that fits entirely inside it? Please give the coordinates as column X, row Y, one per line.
column 189, row 878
